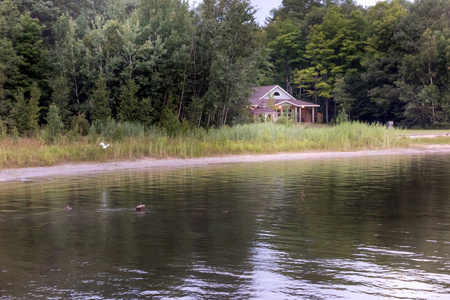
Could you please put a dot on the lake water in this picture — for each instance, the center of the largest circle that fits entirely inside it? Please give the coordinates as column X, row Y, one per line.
column 359, row 228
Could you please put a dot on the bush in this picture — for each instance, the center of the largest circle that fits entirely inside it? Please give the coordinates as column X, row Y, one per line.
column 117, row 131
column 80, row 124
column 342, row 117
column 3, row 130
column 171, row 124
column 285, row 121
column 52, row 132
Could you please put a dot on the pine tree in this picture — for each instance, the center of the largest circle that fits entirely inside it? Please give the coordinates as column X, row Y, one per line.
column 128, row 109
column 25, row 112
column 54, row 124
column 146, row 112
column 33, row 107
column 19, row 113
column 100, row 109
column 61, row 96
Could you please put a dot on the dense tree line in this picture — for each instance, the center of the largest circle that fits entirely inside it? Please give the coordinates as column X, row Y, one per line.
column 163, row 62
column 147, row 61
column 386, row 62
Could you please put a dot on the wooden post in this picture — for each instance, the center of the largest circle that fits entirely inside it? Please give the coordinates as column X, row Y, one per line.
column 313, row 119
column 300, row 109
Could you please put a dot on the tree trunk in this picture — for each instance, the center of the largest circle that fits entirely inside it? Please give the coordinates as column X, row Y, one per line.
column 199, row 120
column 165, row 99
column 226, row 115
column 431, row 83
column 224, row 110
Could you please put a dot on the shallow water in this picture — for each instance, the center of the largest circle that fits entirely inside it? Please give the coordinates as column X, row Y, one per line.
column 359, row 228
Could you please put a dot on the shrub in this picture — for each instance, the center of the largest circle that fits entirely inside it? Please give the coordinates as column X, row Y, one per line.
column 2, row 129
column 171, row 124
column 342, row 117
column 80, row 124
column 285, row 121
column 52, row 132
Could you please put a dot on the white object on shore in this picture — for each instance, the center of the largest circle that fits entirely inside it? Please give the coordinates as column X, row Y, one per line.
column 103, row 145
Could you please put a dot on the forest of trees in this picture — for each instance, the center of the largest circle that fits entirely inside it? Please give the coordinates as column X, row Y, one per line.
column 387, row 62
column 159, row 62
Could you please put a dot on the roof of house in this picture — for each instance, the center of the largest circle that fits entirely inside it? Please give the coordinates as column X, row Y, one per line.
column 257, row 97
column 259, row 93
column 296, row 103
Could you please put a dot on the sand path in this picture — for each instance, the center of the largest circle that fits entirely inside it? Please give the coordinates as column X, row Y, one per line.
column 77, row 169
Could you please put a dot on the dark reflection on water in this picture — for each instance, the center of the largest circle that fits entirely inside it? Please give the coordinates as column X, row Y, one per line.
column 361, row 228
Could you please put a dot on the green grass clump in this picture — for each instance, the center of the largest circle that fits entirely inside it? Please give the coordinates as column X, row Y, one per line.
column 130, row 141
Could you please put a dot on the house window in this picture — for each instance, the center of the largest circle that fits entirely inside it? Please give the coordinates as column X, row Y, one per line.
column 276, row 94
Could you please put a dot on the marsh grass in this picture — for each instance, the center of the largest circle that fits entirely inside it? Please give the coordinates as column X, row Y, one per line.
column 129, row 141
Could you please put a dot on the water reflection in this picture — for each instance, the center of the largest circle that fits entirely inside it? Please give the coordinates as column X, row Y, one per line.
column 361, row 228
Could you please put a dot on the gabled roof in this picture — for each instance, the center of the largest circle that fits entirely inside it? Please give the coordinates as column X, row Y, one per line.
column 259, row 93
column 296, row 102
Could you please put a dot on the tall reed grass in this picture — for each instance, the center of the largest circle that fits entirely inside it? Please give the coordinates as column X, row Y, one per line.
column 130, row 141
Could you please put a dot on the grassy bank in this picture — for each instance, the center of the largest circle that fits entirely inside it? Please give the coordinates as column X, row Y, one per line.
column 128, row 142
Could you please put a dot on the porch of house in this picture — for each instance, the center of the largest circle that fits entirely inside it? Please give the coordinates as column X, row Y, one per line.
column 301, row 114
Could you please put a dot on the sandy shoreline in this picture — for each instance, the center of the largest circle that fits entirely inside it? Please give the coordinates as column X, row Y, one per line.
column 76, row 169
column 426, row 135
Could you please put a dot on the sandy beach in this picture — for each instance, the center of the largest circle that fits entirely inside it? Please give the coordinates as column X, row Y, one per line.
column 84, row 168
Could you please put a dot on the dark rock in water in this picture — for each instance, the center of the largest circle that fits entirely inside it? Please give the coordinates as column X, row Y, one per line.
column 140, row 207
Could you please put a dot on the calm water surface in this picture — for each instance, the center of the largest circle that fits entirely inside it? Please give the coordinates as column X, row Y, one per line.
column 360, row 228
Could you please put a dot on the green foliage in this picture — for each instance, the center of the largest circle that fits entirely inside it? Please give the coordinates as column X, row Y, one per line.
column 14, row 133
column 171, row 123
column 146, row 112
column 230, row 59
column 128, row 59
column 383, row 18
column 19, row 111
column 3, row 129
column 33, row 107
column 25, row 112
column 138, row 142
column 341, row 95
column 112, row 130
column 285, row 121
column 28, row 45
column 334, row 48
column 61, row 96
column 287, row 45
column 342, row 117
column 80, row 124
column 129, row 109
column 100, row 110
column 53, row 130
column 8, row 69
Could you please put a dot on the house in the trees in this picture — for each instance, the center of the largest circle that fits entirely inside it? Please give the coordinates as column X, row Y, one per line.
column 271, row 101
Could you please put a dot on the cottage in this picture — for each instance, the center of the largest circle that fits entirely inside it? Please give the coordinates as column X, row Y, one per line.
column 272, row 101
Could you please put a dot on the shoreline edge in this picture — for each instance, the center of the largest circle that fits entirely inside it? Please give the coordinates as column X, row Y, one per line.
column 144, row 164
